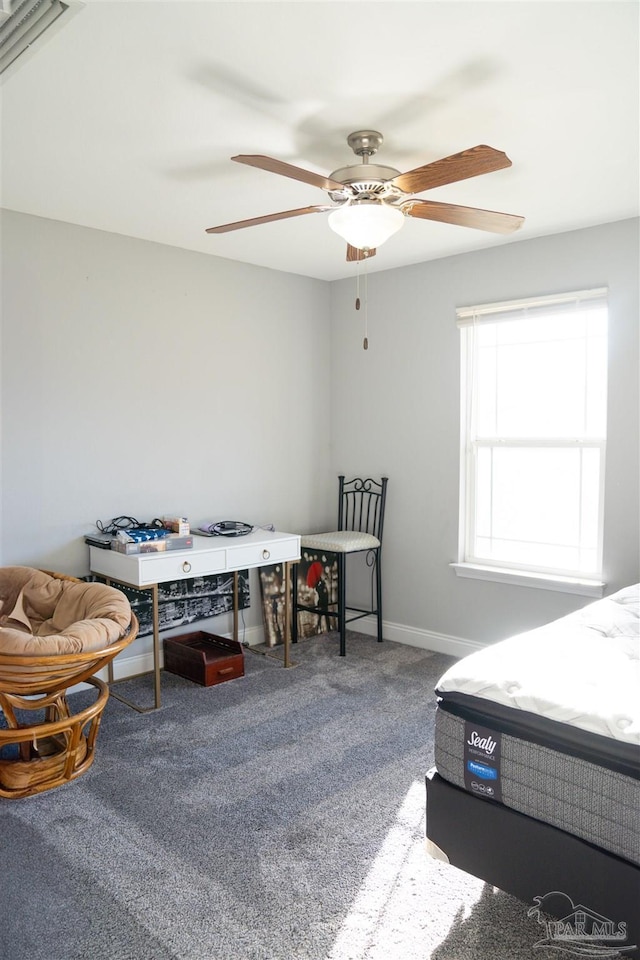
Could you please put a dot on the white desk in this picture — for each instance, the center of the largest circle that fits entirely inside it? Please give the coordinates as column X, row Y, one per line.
column 209, row 555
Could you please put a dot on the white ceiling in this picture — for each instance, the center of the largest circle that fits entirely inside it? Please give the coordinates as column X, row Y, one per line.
column 126, row 117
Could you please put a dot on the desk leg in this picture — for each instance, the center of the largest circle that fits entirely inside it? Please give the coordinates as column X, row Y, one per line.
column 156, row 646
column 156, row 652
column 235, row 606
column 287, row 611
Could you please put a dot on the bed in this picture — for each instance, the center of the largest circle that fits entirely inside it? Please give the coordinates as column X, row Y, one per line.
column 536, row 783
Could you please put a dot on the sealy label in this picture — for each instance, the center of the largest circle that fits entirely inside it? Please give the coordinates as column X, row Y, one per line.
column 486, row 744
column 482, row 761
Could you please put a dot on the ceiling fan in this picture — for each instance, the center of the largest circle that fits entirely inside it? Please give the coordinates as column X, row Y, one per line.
column 370, row 201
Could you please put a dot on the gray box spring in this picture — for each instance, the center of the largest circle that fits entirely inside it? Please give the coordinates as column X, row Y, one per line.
column 592, row 802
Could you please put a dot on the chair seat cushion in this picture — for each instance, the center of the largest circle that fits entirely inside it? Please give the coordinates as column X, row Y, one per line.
column 340, row 541
column 42, row 615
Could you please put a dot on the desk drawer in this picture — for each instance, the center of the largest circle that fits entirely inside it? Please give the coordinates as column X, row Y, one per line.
column 180, row 566
column 251, row 555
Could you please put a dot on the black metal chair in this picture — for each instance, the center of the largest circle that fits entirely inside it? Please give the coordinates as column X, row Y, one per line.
column 360, row 523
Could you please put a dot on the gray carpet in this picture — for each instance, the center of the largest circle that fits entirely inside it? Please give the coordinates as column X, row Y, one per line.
column 275, row 817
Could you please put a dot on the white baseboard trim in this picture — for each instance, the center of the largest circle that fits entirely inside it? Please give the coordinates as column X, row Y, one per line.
column 416, row 637
column 396, row 632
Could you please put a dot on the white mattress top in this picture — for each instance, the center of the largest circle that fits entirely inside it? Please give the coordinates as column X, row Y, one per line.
column 583, row 669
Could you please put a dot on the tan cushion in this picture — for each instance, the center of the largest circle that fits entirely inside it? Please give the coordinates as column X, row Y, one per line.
column 340, row 541
column 52, row 616
column 12, row 580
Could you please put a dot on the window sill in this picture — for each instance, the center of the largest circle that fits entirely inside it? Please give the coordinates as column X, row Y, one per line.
column 539, row 581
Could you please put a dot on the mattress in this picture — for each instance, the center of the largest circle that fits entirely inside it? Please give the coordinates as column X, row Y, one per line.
column 582, row 670
column 547, row 723
column 584, row 798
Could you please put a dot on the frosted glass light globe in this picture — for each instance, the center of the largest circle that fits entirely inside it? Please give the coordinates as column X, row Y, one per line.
column 366, row 224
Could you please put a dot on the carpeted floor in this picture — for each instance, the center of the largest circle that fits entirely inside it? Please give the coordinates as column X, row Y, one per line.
column 275, row 817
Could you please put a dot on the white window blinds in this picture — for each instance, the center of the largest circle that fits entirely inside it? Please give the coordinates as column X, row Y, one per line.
column 534, row 381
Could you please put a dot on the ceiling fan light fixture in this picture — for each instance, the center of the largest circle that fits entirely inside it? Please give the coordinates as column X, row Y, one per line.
column 367, row 223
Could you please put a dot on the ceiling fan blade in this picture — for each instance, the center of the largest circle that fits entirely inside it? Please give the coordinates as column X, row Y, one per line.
column 288, row 170
column 269, row 218
column 354, row 253
column 459, row 166
column 463, row 216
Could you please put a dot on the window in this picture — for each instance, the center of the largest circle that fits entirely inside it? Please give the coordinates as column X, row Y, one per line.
column 534, row 385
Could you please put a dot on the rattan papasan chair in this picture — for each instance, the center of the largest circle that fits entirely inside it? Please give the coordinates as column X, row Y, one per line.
column 55, row 631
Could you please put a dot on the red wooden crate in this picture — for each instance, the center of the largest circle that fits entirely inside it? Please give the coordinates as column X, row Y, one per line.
column 205, row 658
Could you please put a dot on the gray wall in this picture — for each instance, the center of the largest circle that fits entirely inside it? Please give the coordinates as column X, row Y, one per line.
column 142, row 379
column 395, row 409
column 145, row 380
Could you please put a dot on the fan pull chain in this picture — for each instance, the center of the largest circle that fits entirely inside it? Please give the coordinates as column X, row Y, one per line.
column 365, row 342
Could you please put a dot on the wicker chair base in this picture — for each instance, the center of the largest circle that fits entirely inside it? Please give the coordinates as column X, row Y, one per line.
column 53, row 752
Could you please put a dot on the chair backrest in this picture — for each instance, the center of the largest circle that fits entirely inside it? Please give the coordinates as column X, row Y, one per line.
column 37, row 675
column 361, row 505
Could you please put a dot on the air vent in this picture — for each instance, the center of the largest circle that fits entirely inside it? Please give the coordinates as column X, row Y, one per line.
column 369, row 186
column 23, row 22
